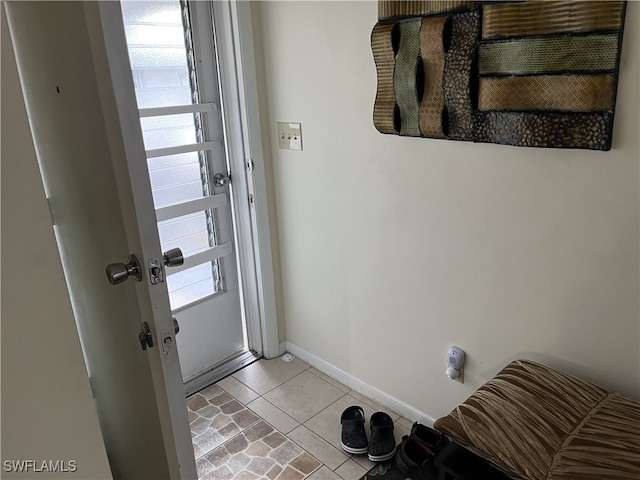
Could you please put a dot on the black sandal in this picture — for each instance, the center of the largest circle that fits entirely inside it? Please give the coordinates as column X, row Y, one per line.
column 354, row 437
column 383, row 443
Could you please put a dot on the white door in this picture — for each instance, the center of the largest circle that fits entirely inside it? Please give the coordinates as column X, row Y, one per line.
column 92, row 159
column 173, row 60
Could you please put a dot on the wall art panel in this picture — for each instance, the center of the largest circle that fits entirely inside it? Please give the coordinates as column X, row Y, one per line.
column 527, row 73
column 432, row 57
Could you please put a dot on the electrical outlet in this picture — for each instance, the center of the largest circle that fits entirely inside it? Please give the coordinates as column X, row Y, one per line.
column 290, row 136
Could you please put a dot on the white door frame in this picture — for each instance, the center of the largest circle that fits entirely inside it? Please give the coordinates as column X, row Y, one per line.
column 241, row 112
column 238, row 82
column 241, row 116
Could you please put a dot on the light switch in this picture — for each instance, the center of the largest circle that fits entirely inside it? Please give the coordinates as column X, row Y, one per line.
column 290, row 136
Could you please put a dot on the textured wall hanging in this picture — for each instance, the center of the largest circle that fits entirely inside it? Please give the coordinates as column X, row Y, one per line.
column 534, row 73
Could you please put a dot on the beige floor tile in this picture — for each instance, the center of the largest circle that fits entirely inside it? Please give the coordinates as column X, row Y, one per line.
column 400, row 429
column 374, row 405
column 284, row 394
column 364, row 462
column 237, row 389
column 350, row 470
column 273, row 415
column 265, row 375
column 405, row 422
column 330, row 380
column 303, row 396
column 318, row 447
column 324, row 473
column 327, row 422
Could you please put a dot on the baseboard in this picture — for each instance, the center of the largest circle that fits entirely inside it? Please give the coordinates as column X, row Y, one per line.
column 404, row 409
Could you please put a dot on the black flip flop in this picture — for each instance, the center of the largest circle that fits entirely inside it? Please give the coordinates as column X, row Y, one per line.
column 354, row 437
column 383, row 443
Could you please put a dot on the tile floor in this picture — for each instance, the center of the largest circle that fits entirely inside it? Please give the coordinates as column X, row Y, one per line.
column 278, row 421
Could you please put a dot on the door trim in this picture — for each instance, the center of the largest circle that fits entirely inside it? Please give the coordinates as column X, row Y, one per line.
column 241, row 113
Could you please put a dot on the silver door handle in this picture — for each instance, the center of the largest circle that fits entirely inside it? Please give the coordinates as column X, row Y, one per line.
column 119, row 272
column 173, row 257
column 221, row 180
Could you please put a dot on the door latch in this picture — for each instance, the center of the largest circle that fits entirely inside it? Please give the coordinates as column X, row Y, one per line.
column 156, row 275
column 145, row 337
column 170, row 258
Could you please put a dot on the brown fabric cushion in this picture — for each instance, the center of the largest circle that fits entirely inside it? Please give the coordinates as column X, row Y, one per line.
column 534, row 422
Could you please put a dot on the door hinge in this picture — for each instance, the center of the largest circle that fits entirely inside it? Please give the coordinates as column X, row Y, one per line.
column 252, row 202
column 250, row 165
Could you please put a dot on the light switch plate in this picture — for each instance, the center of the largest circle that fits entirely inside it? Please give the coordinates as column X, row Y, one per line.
column 290, row 136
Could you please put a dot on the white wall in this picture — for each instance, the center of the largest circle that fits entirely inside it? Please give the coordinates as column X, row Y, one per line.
column 48, row 412
column 391, row 249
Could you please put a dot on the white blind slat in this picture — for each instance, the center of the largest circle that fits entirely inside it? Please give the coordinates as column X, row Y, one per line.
column 177, row 109
column 203, row 257
column 193, row 147
column 192, row 206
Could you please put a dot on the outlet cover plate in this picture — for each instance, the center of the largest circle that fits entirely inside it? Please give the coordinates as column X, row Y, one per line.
column 290, row 136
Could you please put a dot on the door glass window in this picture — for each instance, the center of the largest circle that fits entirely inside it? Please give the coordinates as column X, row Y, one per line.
column 156, row 44
column 188, row 233
column 164, row 76
column 168, row 130
column 175, row 179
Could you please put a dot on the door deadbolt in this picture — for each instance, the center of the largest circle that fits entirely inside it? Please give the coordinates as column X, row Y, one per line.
column 119, row 272
column 176, row 326
column 145, row 337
